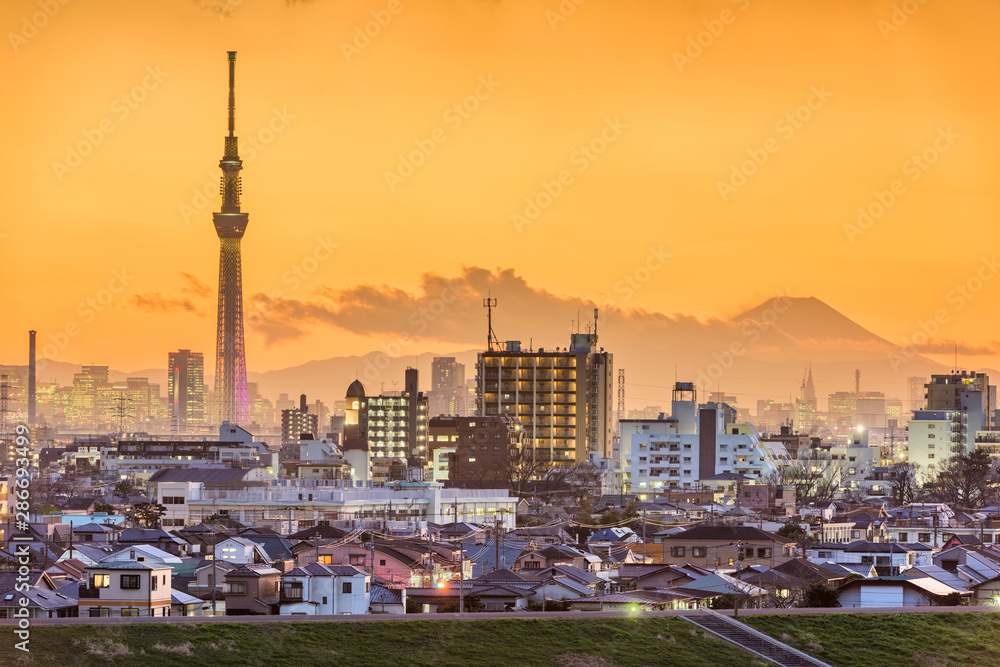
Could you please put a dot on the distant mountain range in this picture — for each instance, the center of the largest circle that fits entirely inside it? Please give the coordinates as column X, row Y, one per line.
column 761, row 353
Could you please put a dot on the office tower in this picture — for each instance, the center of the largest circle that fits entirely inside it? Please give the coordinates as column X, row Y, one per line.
column 90, row 402
column 186, row 389
column 231, row 403
column 915, row 392
column 447, row 394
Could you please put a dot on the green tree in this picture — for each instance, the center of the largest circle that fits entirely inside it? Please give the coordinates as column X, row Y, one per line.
column 586, row 513
column 818, row 594
column 124, row 488
column 609, row 517
column 146, row 515
column 630, row 512
column 104, row 508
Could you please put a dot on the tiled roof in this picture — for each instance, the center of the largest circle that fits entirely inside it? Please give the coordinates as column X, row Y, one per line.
column 728, row 533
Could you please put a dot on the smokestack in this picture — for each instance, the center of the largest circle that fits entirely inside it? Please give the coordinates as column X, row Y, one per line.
column 303, row 406
column 31, row 378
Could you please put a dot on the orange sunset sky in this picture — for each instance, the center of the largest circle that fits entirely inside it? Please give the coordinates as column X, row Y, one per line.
column 332, row 113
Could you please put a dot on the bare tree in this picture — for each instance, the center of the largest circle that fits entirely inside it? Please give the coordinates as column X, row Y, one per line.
column 903, row 483
column 814, row 479
column 966, row 480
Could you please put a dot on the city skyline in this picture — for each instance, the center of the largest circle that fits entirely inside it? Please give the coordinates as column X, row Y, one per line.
column 671, row 131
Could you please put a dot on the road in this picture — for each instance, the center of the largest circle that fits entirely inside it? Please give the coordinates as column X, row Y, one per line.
column 485, row 616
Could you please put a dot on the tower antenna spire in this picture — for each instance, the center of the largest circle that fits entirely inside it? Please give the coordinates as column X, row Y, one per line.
column 232, row 93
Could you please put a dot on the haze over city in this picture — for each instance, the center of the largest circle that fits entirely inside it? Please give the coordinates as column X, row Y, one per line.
column 556, row 157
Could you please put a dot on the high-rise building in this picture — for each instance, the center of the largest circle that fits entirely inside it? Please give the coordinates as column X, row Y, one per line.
column 805, row 405
column 295, row 423
column 915, row 392
column 91, row 400
column 186, row 389
column 958, row 406
column 562, row 397
column 390, row 427
column 231, row 403
column 447, row 394
column 142, row 403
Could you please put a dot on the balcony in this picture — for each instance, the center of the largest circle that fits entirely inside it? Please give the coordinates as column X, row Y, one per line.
column 291, row 594
column 89, row 592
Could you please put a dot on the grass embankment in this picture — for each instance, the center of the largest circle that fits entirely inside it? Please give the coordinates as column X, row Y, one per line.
column 872, row 640
column 868, row 640
column 618, row 642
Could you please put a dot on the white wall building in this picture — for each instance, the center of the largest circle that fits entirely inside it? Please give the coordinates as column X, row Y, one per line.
column 317, row 589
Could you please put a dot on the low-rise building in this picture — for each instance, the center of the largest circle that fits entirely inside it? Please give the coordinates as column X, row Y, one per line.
column 126, row 588
column 316, row 589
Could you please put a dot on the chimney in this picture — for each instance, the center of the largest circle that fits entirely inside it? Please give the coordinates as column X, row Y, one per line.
column 31, row 378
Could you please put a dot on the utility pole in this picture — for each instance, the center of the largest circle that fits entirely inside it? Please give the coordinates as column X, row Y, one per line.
column 461, row 581
column 496, row 544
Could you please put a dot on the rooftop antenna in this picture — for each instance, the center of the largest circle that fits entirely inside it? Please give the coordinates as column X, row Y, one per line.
column 489, row 304
column 595, row 325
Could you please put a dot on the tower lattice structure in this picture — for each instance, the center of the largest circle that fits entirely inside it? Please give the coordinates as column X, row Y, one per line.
column 230, row 224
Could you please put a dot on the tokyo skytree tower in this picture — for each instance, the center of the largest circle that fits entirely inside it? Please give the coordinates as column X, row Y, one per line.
column 230, row 356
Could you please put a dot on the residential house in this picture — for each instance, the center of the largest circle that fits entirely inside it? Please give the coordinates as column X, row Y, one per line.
column 154, row 537
column 240, row 550
column 126, row 588
column 252, row 589
column 897, row 591
column 637, row 576
column 97, row 533
column 317, row 589
column 887, row 557
column 972, row 564
column 46, row 597
column 714, row 546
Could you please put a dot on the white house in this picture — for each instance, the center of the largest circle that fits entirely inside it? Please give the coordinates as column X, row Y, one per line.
column 241, row 551
column 317, row 589
column 896, row 592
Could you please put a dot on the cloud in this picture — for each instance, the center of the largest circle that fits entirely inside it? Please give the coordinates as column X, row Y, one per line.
column 194, row 286
column 191, row 291
column 451, row 310
column 950, row 347
column 155, row 302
